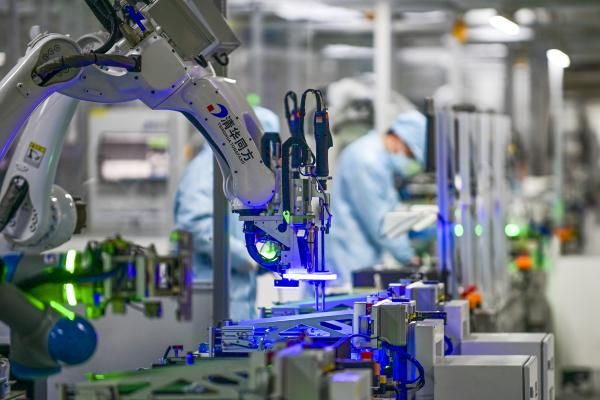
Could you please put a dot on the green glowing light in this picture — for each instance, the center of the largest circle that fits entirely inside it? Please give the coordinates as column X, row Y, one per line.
column 70, row 293
column 254, row 99
column 70, row 260
column 65, row 312
column 268, row 251
column 459, row 230
column 512, row 230
column 35, row 302
column 286, row 216
column 478, row 230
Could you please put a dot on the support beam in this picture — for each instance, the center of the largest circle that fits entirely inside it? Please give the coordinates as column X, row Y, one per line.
column 382, row 63
column 256, row 49
column 556, row 75
column 221, row 260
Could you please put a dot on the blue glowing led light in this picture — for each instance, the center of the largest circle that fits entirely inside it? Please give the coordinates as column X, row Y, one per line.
column 189, row 358
column 97, row 299
column 131, row 271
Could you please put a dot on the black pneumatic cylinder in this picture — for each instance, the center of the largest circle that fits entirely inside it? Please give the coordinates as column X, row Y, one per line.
column 291, row 144
column 268, row 146
column 324, row 142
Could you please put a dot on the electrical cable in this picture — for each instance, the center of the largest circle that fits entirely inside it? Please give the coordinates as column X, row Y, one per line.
column 400, row 352
column 108, row 17
column 49, row 69
column 97, row 7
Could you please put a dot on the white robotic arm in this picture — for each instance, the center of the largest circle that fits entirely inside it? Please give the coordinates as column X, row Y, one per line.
column 160, row 59
column 38, row 215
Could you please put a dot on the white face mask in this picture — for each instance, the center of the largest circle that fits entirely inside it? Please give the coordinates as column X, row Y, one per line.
column 404, row 166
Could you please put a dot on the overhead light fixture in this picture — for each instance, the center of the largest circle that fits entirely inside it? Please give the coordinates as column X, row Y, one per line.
column 315, row 11
column 505, row 25
column 2, row 58
column 558, row 58
column 345, row 51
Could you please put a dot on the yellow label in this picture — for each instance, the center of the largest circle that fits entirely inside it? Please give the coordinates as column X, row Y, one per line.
column 98, row 112
column 37, row 147
column 35, row 154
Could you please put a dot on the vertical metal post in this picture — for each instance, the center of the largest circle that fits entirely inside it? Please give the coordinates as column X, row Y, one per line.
column 383, row 63
column 539, row 133
column 221, row 260
column 257, row 47
column 444, row 131
column 465, row 125
column 501, row 134
column 556, row 74
column 484, row 208
column 44, row 14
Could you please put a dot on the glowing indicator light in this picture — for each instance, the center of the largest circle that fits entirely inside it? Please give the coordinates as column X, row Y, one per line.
column 268, row 251
column 286, row 216
column 35, row 302
column 459, row 230
column 70, row 293
column 62, row 310
column 70, row 260
column 478, row 230
column 512, row 230
column 310, row 277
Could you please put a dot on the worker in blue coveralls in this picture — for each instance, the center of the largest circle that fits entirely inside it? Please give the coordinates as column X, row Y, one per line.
column 364, row 191
column 194, row 213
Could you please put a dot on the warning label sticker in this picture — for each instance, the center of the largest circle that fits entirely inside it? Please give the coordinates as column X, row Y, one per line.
column 35, row 154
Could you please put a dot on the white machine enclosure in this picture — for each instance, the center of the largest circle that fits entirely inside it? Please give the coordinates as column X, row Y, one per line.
column 427, row 294
column 350, row 385
column 429, row 350
column 459, row 324
column 301, row 372
column 487, row 378
column 540, row 345
column 391, row 321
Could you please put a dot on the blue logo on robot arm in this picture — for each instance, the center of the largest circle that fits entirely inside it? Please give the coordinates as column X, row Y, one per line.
column 218, row 110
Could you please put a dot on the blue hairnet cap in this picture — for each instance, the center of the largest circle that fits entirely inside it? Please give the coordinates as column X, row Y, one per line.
column 411, row 128
column 268, row 119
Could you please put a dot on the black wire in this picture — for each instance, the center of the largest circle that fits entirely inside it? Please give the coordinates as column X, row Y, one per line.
column 108, row 17
column 222, row 59
column 101, row 14
column 420, row 380
column 51, row 68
